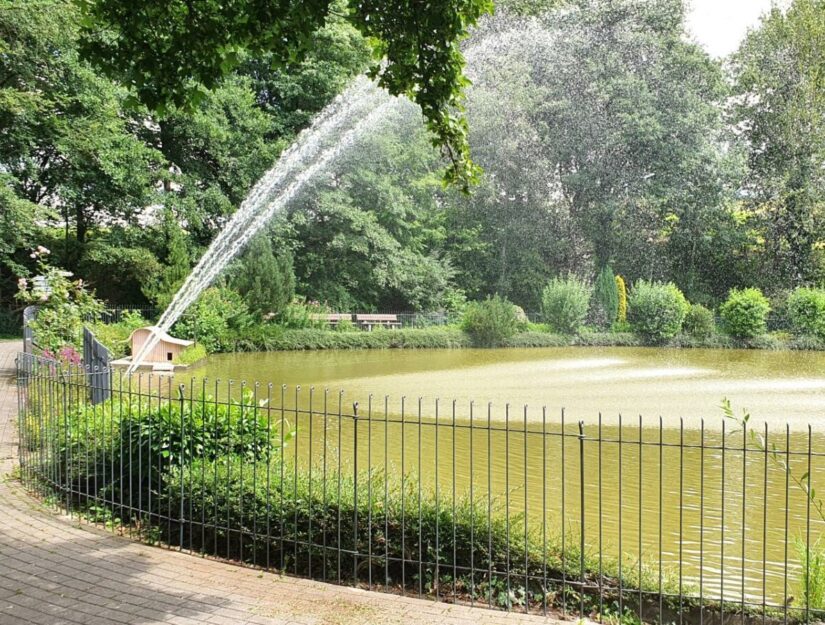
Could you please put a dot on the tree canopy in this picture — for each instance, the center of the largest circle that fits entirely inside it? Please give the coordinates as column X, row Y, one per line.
column 171, row 51
column 607, row 139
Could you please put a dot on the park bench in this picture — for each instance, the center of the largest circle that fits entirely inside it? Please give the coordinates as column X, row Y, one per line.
column 368, row 322
column 332, row 319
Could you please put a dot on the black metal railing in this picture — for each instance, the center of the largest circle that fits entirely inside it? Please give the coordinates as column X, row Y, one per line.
column 498, row 506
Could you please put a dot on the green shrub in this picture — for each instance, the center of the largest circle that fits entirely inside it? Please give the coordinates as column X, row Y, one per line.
column 744, row 313
column 215, row 319
column 115, row 336
column 621, row 291
column 346, row 325
column 300, row 314
column 274, row 338
column 63, row 306
column 564, row 303
column 605, row 303
column 699, row 322
column 537, row 338
column 492, row 321
column 806, row 310
column 141, row 433
column 310, row 538
column 191, row 355
column 656, row 311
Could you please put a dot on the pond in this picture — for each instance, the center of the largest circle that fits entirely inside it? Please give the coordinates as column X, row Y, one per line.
column 778, row 387
column 718, row 520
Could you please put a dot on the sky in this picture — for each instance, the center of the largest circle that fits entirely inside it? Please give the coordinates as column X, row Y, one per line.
column 720, row 25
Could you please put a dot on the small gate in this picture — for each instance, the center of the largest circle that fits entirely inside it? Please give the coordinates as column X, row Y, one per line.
column 96, row 359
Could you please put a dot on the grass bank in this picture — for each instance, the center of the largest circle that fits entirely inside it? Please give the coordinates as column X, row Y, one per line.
column 276, row 339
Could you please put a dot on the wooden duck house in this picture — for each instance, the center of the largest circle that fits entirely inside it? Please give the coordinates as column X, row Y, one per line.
column 166, row 350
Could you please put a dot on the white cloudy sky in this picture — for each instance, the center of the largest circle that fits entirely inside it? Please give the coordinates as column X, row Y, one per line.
column 720, row 25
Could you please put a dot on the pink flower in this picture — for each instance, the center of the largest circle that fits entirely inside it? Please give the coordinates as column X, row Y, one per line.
column 44, row 297
column 43, row 250
column 22, row 283
column 69, row 355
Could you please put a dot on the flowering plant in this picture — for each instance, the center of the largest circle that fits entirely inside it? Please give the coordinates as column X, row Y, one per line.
column 63, row 305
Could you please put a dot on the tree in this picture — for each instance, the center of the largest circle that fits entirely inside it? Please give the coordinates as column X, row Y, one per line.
column 266, row 281
column 780, row 84
column 66, row 144
column 605, row 298
column 600, row 131
column 370, row 234
column 170, row 51
column 17, row 237
column 177, row 263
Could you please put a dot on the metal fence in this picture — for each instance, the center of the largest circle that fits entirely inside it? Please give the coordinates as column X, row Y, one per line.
column 496, row 506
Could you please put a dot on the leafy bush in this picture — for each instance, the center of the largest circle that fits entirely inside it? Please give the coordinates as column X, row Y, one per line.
column 191, row 355
column 140, row 434
column 63, row 306
column 621, row 291
column 115, row 336
column 215, row 319
column 492, row 321
column 806, row 310
column 300, row 314
column 605, row 303
column 699, row 322
column 656, row 311
column 345, row 325
column 564, row 304
column 744, row 313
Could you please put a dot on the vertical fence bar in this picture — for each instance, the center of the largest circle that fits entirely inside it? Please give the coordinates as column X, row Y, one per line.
column 620, row 509
column 489, row 505
column 403, row 498
column 369, row 492
column 722, row 533
column 526, row 517
column 641, row 473
column 310, row 462
column 255, row 427
column 437, row 492
column 563, row 521
column 338, row 494
column 681, row 516
column 544, row 509
column 453, row 522
column 744, row 511
column 765, row 526
column 507, row 500
column 472, row 513
column 702, row 522
column 355, row 491
column 386, row 494
column 785, row 601
column 661, row 472
column 809, row 493
column 420, row 511
column 581, row 517
column 324, row 494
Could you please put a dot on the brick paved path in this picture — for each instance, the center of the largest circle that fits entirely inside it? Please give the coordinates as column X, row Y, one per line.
column 54, row 570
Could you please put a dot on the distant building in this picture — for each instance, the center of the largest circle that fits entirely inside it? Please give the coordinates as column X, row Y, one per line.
column 166, row 350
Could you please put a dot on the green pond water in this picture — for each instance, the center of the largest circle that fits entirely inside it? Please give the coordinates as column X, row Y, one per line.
column 718, row 520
